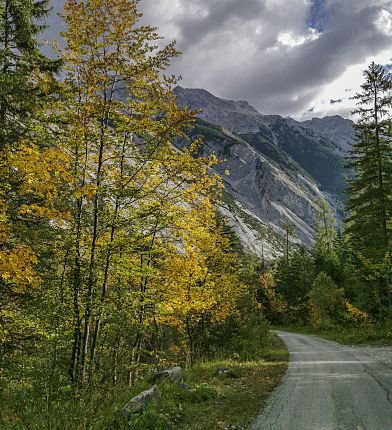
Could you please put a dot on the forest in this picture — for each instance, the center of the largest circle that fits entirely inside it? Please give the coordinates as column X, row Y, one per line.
column 114, row 260
column 345, row 280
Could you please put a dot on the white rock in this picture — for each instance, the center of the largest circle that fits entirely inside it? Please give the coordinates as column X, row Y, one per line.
column 139, row 403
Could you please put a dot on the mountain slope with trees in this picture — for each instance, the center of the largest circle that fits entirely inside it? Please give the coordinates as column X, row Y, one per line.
column 342, row 285
column 279, row 167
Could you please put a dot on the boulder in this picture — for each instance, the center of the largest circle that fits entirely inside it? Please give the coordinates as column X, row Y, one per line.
column 139, row 402
column 186, row 387
column 174, row 374
column 226, row 372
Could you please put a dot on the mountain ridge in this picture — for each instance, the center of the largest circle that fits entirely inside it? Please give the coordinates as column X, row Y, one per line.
column 279, row 167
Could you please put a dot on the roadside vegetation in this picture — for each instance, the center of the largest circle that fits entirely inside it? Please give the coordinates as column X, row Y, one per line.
column 326, row 291
column 212, row 402
column 114, row 262
column 342, row 287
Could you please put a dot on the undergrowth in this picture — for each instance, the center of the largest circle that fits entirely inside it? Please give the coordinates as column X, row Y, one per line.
column 212, row 402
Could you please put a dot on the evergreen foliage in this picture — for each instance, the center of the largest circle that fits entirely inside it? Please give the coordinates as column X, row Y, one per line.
column 370, row 202
column 21, row 64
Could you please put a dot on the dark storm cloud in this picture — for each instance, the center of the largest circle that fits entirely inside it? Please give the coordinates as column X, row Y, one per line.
column 276, row 54
column 296, row 73
column 213, row 15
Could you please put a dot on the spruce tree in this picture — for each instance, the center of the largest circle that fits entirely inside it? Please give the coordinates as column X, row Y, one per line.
column 20, row 61
column 26, row 84
column 370, row 197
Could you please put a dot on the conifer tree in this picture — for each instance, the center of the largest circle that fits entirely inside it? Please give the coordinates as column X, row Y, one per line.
column 370, row 197
column 20, row 57
column 26, row 166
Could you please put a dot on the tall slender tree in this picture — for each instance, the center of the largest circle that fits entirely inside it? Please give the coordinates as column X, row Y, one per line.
column 20, row 58
column 130, row 182
column 370, row 197
column 26, row 82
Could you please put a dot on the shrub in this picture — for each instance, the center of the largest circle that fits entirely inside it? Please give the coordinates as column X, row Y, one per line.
column 327, row 303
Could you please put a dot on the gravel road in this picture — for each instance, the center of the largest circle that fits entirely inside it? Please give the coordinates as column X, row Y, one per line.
column 329, row 386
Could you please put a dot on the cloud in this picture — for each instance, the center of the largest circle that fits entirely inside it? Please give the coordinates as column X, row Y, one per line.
column 198, row 20
column 384, row 22
column 277, row 58
column 281, row 59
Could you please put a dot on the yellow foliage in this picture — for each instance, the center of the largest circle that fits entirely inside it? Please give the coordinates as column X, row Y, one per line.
column 355, row 315
column 274, row 302
column 17, row 267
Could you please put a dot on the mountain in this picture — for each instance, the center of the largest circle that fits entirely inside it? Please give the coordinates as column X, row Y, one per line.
column 279, row 167
column 334, row 128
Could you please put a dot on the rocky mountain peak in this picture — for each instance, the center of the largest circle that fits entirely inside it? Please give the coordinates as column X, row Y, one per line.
column 280, row 168
column 335, row 128
column 235, row 116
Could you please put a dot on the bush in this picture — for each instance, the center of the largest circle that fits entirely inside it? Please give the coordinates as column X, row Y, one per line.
column 327, row 303
column 253, row 337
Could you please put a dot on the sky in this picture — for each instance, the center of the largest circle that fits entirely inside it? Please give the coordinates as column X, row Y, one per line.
column 298, row 58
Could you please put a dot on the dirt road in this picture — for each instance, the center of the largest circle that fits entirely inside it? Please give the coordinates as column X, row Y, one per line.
column 329, row 387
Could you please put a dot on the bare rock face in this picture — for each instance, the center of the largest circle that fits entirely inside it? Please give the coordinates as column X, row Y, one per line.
column 263, row 195
column 238, row 117
column 269, row 193
column 174, row 374
column 139, row 403
column 279, row 168
column 335, row 128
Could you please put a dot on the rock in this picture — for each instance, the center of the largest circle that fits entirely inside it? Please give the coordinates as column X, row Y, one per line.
column 279, row 168
column 226, row 372
column 186, row 387
column 174, row 374
column 139, row 403
column 336, row 129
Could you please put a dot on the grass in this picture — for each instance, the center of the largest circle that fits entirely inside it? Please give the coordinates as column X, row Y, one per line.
column 237, row 401
column 213, row 403
column 218, row 402
column 371, row 335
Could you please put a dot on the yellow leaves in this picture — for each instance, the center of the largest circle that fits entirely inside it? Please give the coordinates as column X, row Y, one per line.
column 87, row 190
column 274, row 301
column 355, row 315
column 16, row 267
column 41, row 170
column 154, row 213
column 52, row 215
column 36, row 175
column 42, row 174
column 5, row 233
column 198, row 279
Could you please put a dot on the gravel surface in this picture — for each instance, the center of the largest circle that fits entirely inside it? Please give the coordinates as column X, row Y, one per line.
column 383, row 353
column 329, row 386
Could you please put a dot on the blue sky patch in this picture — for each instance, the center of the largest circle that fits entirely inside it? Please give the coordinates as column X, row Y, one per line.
column 317, row 15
